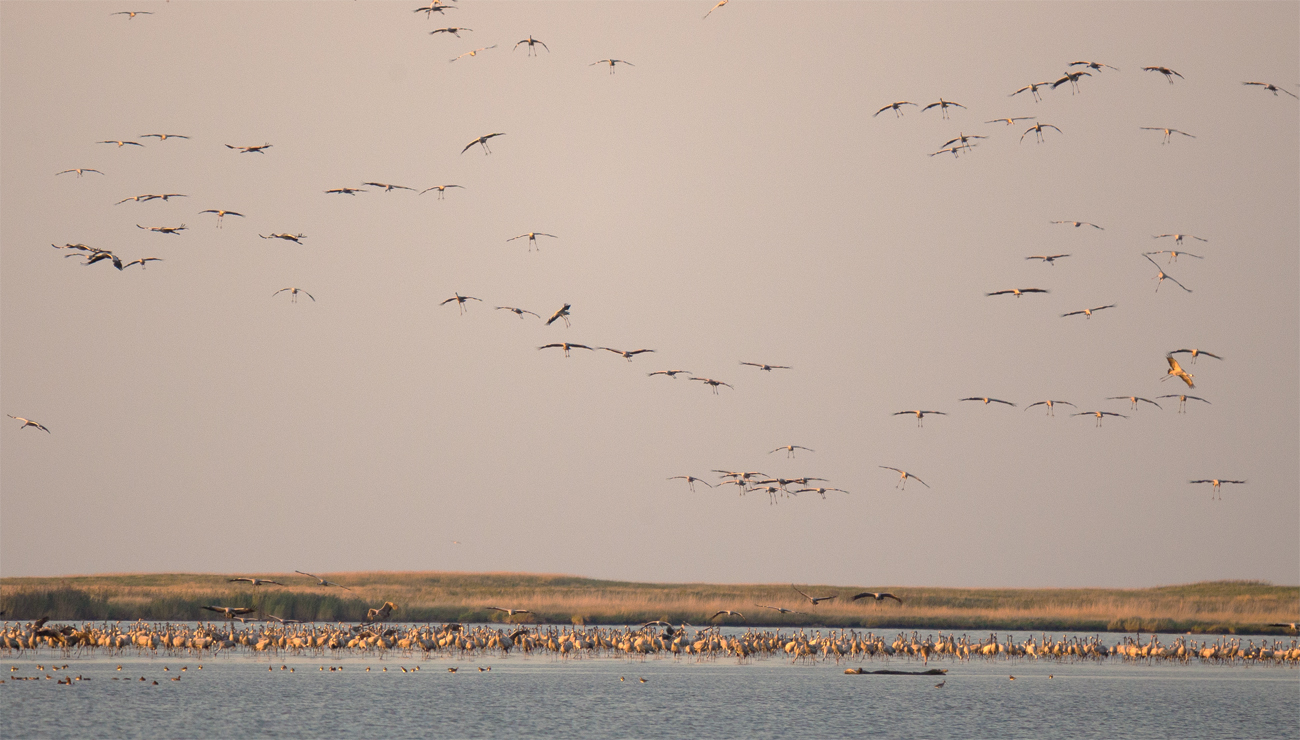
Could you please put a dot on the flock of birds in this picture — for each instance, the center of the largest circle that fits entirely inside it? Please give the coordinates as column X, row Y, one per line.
column 745, row 481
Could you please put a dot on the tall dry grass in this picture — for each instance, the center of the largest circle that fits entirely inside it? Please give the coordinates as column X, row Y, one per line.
column 1222, row 606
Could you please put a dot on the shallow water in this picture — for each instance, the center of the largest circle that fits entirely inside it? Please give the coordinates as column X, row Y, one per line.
column 237, row 696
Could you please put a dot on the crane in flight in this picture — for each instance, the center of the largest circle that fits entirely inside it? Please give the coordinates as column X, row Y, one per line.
column 1011, row 121
column 1049, row 259
column 1051, row 406
column 164, row 229
column 141, row 262
column 435, row 6
column 532, row 239
column 78, row 170
column 1174, row 253
column 322, row 581
column 691, row 481
column 1033, row 90
column 442, row 190
column 381, row 614
column 453, row 30
column 1161, row 277
column 1177, row 371
column 1087, row 312
column 1099, row 414
column 517, row 311
column 163, row 137
column 819, row 491
column 28, row 423
column 963, row 139
column 460, row 301
column 670, row 373
column 1037, row 128
column 1168, row 132
column 1077, row 224
column 814, row 599
column 293, row 296
column 132, row 13
column 230, row 612
column 767, row 368
column 782, row 610
column 715, row 7
column 483, row 142
column 1073, row 79
column 563, row 313
column 255, row 581
column 943, row 106
column 986, row 400
column 920, row 415
column 896, row 107
column 1178, row 238
column 611, row 63
column 714, row 384
column 120, row 143
column 790, row 449
column 1195, row 353
column 1216, row 482
column 250, row 149
column 1167, row 72
column 347, row 191
column 388, row 188
column 509, row 612
column 532, row 42
column 475, row 52
column 1017, row 292
column 903, row 475
column 1182, row 400
column 1092, row 65
column 221, row 213
column 626, row 354
column 723, row 612
column 295, row 238
column 1134, row 400
column 566, row 346
column 878, row 596
column 1273, row 88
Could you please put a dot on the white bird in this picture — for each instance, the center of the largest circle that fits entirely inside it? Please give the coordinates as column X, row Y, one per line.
column 509, row 612
column 903, row 475
column 28, row 423
column 723, row 612
column 482, row 141
column 255, row 581
column 293, row 294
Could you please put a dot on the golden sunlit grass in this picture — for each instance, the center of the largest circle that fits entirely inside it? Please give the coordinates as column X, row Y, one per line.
column 1221, row 606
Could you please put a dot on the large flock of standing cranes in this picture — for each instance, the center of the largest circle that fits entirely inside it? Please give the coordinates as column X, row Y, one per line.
column 1075, row 76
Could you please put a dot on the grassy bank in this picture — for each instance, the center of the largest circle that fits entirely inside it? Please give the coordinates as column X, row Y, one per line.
column 1241, row 607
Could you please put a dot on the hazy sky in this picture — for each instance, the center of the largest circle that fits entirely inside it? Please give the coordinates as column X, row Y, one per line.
column 729, row 198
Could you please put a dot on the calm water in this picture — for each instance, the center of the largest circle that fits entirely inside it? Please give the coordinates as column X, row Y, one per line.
column 237, row 697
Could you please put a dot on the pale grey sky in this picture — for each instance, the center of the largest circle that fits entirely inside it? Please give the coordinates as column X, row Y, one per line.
column 728, row 198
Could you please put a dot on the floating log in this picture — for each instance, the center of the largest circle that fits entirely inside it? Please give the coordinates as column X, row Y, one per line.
column 931, row 672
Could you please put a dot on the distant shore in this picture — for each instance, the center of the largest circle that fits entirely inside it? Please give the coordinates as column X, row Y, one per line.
column 1218, row 607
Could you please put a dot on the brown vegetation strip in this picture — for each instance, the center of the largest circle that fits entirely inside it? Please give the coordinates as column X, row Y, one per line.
column 1214, row 607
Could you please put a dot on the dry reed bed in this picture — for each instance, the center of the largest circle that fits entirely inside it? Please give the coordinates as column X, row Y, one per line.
column 1221, row 606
